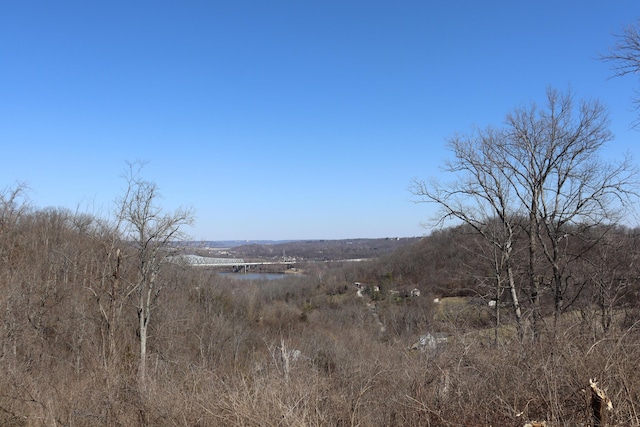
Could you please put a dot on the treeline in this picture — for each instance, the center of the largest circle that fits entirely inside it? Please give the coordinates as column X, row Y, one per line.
column 323, row 250
column 602, row 275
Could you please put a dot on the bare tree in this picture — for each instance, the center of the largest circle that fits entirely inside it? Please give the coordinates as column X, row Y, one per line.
column 14, row 206
column 564, row 185
column 481, row 198
column 624, row 57
column 544, row 167
column 152, row 234
column 106, row 284
column 613, row 268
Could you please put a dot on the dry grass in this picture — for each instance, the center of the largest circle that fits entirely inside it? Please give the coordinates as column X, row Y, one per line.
column 214, row 361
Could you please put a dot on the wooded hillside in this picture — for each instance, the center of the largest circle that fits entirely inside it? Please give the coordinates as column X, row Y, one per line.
column 304, row 350
column 322, row 250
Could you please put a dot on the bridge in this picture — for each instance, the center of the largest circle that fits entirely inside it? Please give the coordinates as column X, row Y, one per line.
column 236, row 263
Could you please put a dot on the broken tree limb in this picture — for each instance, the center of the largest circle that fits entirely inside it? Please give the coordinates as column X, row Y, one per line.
column 600, row 404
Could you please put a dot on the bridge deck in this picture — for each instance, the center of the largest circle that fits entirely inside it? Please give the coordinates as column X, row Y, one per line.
column 201, row 261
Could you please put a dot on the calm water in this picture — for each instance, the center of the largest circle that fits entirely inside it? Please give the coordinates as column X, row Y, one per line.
column 255, row 276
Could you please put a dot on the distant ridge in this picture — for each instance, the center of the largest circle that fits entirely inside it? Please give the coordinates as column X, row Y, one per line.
column 308, row 249
column 233, row 243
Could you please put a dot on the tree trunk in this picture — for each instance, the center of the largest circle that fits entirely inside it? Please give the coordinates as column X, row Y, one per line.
column 496, row 330
column 517, row 311
column 534, row 286
column 142, row 368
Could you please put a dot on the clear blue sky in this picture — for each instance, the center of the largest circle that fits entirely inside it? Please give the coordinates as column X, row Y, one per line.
column 283, row 119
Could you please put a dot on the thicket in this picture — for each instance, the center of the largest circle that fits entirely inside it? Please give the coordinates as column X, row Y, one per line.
column 304, row 350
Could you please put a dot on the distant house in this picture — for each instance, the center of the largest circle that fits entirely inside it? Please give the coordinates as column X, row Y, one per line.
column 364, row 289
column 430, row 341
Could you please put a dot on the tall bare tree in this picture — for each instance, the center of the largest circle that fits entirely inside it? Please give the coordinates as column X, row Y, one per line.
column 544, row 166
column 624, row 57
column 482, row 198
column 14, row 206
column 107, row 285
column 153, row 235
column 565, row 187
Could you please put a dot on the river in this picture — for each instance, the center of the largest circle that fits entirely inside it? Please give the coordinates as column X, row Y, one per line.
column 255, row 276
